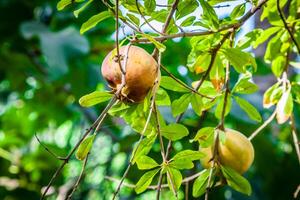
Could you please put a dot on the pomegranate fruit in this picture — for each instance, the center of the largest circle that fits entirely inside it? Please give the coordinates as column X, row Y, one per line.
column 237, row 152
column 141, row 72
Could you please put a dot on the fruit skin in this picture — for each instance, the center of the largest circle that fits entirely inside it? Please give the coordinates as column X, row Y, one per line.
column 141, row 72
column 237, row 152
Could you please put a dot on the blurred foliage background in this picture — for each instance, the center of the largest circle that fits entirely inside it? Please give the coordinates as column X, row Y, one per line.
column 46, row 66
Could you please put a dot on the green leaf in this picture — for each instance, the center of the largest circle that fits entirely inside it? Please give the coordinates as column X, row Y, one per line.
column 245, row 86
column 181, row 104
column 210, row 15
column 134, row 19
column 161, row 47
column 239, row 59
column 145, row 181
column 94, row 20
column 236, row 181
column 268, row 101
column 188, row 21
column 248, row 108
column 78, row 11
column 145, row 162
column 217, row 74
column 273, row 47
column 278, row 65
column 249, row 38
column 284, row 107
column 219, row 108
column 174, row 131
column 162, row 98
column 205, row 136
column 85, row 147
column 174, row 178
column 200, row 184
column 185, row 7
column 198, row 64
column 265, row 34
column 144, row 148
column 63, row 3
column 184, row 159
column 296, row 91
column 170, row 84
column 94, row 98
column 196, row 101
column 150, row 5
column 238, row 11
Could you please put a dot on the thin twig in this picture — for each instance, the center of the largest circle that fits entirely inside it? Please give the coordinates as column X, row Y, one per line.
column 138, row 144
column 183, row 84
column 259, row 129
column 47, row 149
column 117, row 40
column 295, row 137
column 79, row 178
column 297, row 192
column 136, row 29
column 170, row 15
column 187, row 191
column 286, row 26
column 201, row 33
column 67, row 158
column 139, row 10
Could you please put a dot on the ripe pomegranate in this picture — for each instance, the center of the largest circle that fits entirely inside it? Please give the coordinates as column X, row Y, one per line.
column 141, row 72
column 236, row 152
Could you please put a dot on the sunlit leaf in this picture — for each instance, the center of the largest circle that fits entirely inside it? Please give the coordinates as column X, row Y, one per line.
column 200, row 184
column 145, row 181
column 205, row 136
column 94, row 98
column 174, row 131
column 145, row 162
column 85, row 147
column 284, row 107
column 181, row 104
column 94, row 20
column 248, row 108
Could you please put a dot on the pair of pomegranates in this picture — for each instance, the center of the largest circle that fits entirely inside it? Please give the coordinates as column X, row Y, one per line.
column 140, row 75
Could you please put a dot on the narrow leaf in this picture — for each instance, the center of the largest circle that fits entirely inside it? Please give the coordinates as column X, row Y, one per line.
column 248, row 108
column 145, row 162
column 170, row 84
column 200, row 183
column 196, row 101
column 94, row 20
column 174, row 131
column 77, row 12
column 236, row 181
column 174, row 178
column 181, row 104
column 145, row 181
column 284, row 107
column 94, row 98
column 239, row 59
column 205, row 136
column 161, row 47
column 85, row 147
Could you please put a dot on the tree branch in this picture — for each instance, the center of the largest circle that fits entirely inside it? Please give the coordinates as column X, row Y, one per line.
column 259, row 129
column 236, row 25
column 286, row 26
column 295, row 137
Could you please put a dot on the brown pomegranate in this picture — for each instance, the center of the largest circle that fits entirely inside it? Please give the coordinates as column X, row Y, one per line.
column 141, row 72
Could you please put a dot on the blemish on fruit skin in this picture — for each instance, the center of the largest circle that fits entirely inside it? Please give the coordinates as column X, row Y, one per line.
column 141, row 73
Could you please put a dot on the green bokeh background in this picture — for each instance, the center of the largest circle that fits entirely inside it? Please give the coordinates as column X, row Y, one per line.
column 46, row 66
